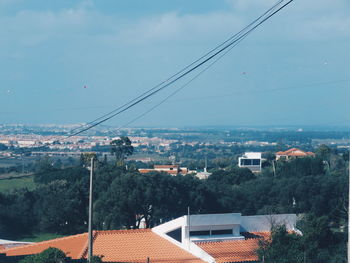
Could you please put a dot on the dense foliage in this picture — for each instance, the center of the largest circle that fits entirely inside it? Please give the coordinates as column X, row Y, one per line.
column 53, row 255
column 317, row 244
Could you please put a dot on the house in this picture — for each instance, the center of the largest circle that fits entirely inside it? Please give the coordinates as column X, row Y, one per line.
column 203, row 175
column 170, row 169
column 196, row 238
column 250, row 160
column 293, row 153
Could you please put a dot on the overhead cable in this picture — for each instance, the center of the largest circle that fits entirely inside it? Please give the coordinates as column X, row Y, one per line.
column 232, row 41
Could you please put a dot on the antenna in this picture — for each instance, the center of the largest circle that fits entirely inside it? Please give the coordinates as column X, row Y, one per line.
column 90, row 249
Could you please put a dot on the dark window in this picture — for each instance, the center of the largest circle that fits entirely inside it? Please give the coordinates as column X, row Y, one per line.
column 171, row 168
column 175, row 234
column 222, row 232
column 200, row 233
column 256, row 162
column 247, row 161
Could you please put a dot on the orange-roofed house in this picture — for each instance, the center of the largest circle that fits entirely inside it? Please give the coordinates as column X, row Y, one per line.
column 293, row 153
column 195, row 238
column 170, row 169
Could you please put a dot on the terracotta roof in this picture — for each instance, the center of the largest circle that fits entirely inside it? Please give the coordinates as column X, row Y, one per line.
column 295, row 152
column 234, row 250
column 143, row 171
column 73, row 246
column 137, row 246
column 166, row 166
column 174, row 172
column 116, row 245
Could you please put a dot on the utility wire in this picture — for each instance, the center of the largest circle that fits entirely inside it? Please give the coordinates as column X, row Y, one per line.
column 182, row 70
column 177, row 90
column 153, row 91
column 237, row 93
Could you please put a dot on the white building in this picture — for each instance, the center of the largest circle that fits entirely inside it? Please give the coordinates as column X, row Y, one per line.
column 189, row 232
column 250, row 160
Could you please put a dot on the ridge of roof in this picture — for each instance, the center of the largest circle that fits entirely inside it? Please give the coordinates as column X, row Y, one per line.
column 124, row 231
column 85, row 250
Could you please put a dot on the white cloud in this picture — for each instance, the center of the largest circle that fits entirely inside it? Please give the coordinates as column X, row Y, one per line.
column 296, row 22
column 173, row 26
column 241, row 5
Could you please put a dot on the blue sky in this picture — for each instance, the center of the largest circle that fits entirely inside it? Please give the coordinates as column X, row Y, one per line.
column 294, row 70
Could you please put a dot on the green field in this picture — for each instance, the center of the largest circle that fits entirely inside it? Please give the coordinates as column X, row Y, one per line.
column 40, row 237
column 15, row 183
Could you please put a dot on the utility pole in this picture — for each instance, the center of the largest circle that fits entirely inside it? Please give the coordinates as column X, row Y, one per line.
column 273, row 167
column 90, row 252
column 189, row 225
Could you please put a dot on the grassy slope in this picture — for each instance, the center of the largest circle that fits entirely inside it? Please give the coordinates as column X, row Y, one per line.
column 25, row 182
column 13, row 183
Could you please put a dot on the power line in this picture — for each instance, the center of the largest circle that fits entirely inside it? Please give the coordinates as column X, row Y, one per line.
column 182, row 70
column 234, row 40
column 305, row 86
column 176, row 91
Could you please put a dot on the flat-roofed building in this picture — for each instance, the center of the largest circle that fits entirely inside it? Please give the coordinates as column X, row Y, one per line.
column 250, row 160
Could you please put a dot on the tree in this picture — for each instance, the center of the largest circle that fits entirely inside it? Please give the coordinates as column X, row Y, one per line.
column 50, row 255
column 282, row 247
column 317, row 244
column 3, row 147
column 85, row 158
column 121, row 148
column 321, row 244
column 232, row 177
column 324, row 152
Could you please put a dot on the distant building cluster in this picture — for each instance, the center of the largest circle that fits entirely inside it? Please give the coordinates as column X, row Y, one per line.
column 253, row 160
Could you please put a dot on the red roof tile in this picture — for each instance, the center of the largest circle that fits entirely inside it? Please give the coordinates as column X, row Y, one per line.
column 166, row 166
column 73, row 246
column 116, row 245
column 295, row 152
column 137, row 246
column 234, row 250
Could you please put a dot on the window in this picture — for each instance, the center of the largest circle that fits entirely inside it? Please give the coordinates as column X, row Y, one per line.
column 222, row 232
column 175, row 234
column 256, row 161
column 247, row 161
column 200, row 233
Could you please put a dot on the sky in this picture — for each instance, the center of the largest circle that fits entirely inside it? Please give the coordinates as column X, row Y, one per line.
column 71, row 61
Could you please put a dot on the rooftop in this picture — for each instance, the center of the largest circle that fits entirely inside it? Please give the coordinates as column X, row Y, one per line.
column 115, row 245
column 234, row 250
column 295, row 152
column 208, row 238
